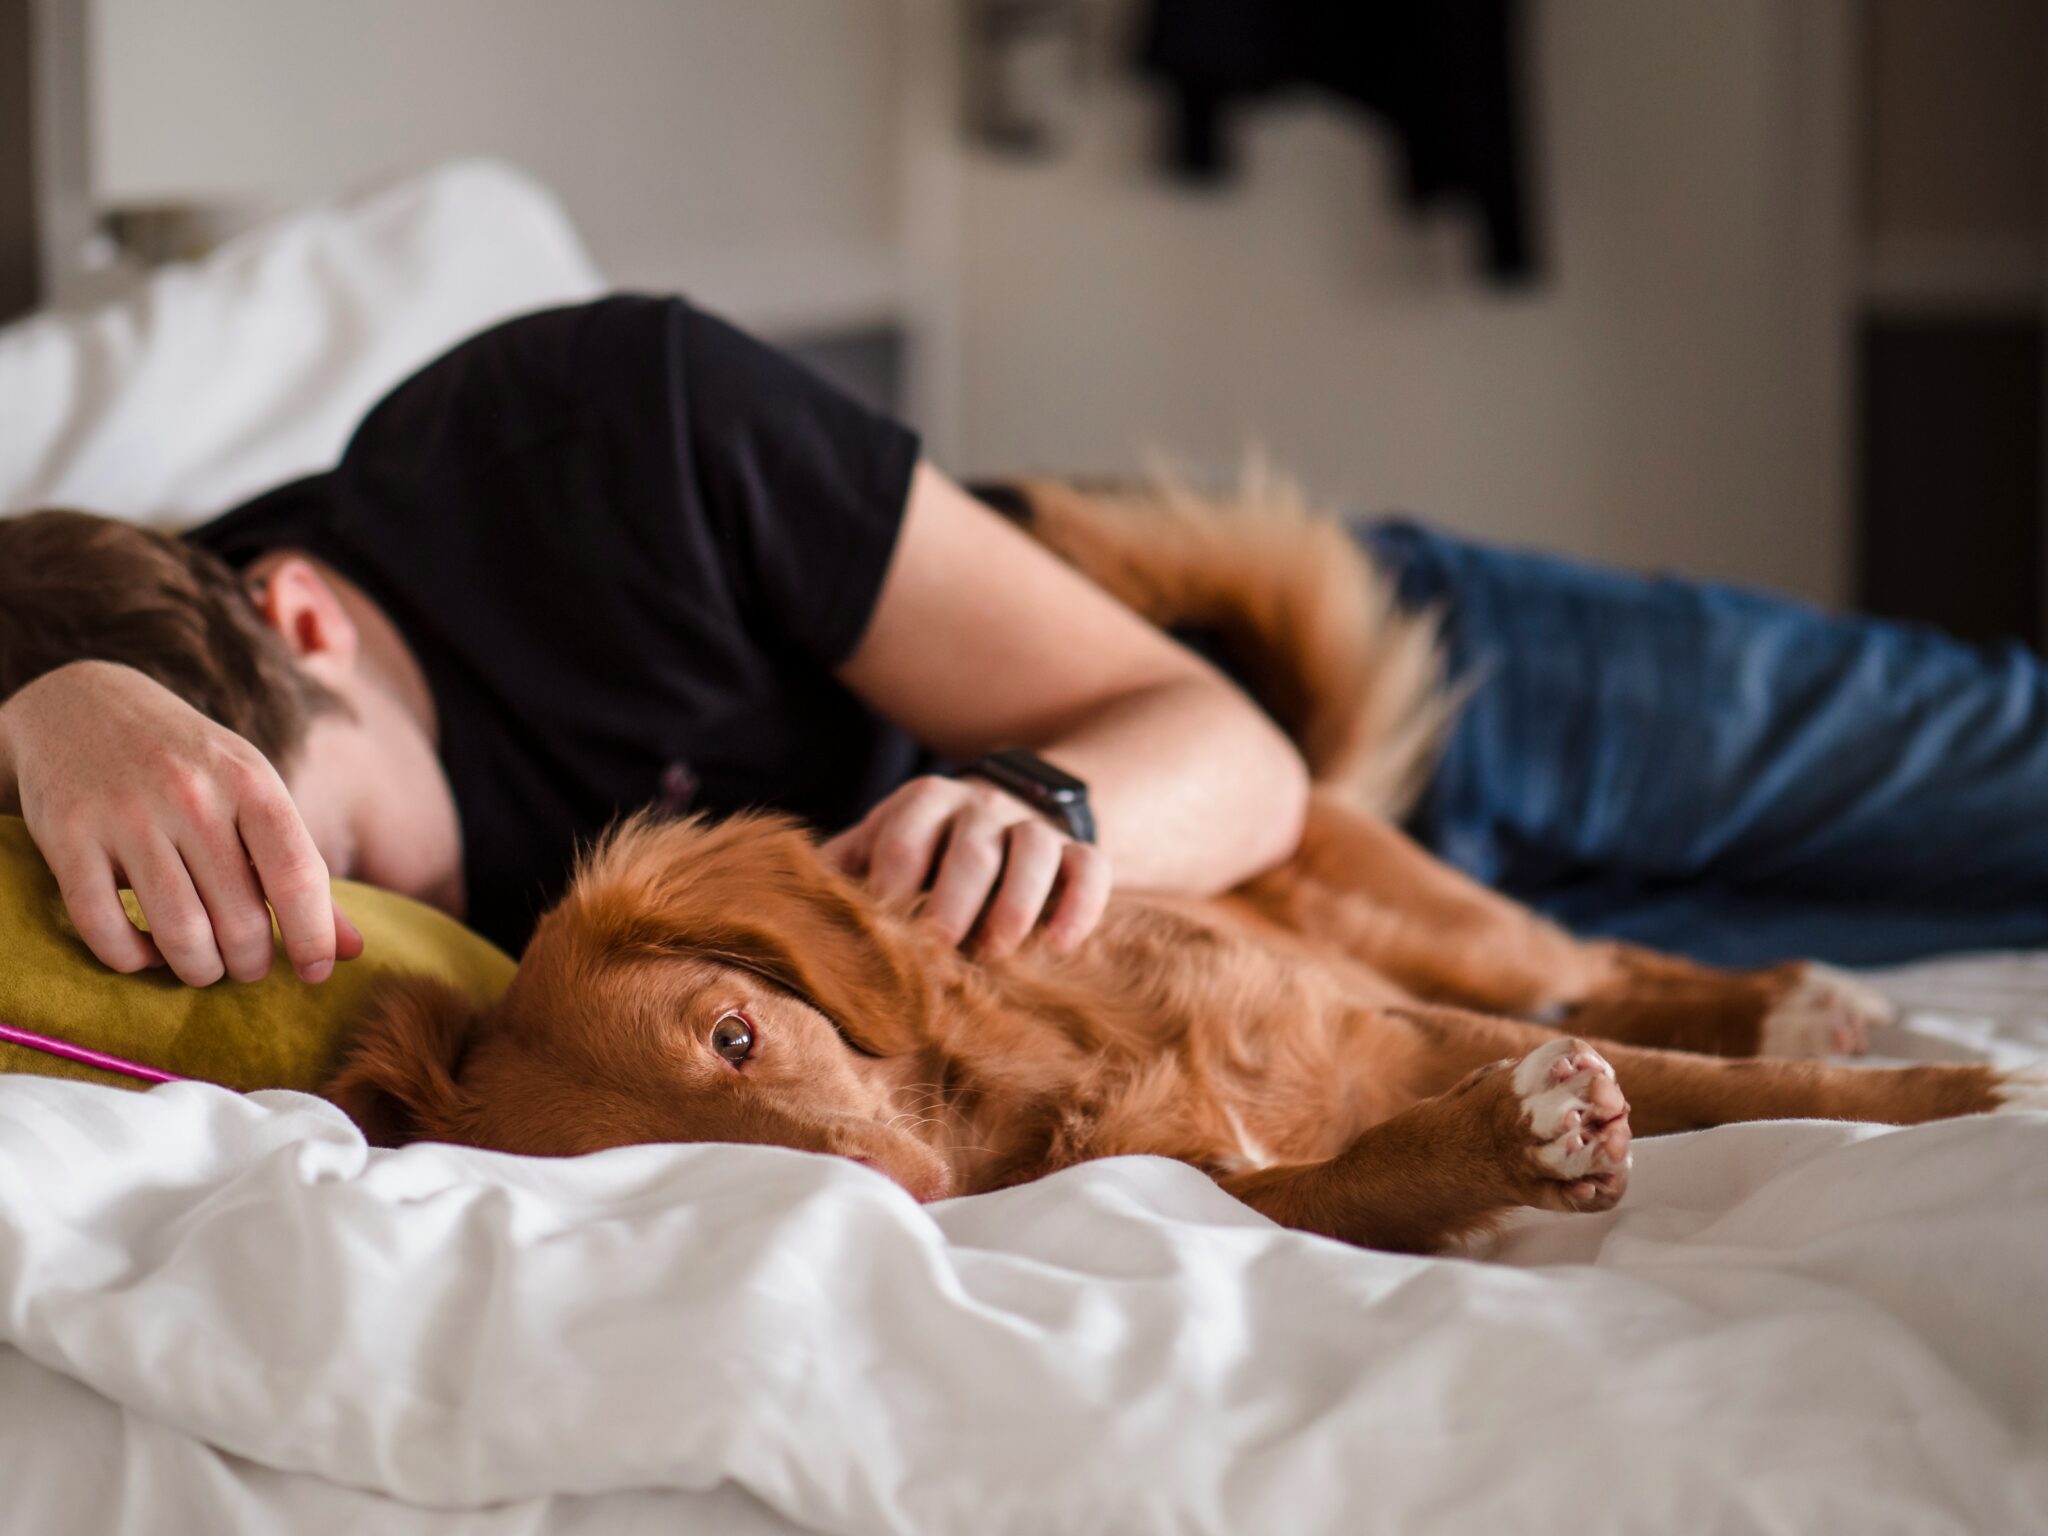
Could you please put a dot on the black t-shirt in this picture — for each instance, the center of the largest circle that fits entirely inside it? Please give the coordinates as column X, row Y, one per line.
column 627, row 544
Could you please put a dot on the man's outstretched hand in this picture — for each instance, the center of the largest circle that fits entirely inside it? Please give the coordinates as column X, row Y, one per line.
column 122, row 783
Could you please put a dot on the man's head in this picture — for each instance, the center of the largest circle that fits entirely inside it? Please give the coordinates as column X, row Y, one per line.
column 74, row 587
column 286, row 655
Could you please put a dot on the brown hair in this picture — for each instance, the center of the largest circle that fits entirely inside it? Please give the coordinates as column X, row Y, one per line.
column 74, row 587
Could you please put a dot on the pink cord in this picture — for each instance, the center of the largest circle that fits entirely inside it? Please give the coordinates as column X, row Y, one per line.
column 78, row 1053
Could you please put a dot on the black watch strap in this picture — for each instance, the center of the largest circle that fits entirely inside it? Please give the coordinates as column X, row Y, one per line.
column 1053, row 793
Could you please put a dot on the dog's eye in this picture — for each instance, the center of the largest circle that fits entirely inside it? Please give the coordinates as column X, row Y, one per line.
column 733, row 1038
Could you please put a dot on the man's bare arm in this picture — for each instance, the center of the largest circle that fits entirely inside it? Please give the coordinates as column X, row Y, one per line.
column 982, row 640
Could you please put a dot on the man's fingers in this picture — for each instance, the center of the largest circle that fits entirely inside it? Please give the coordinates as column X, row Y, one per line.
column 1031, row 863
column 907, row 839
column 971, row 846
column 848, row 851
column 1083, row 897
column 85, row 879
column 177, row 919
column 294, row 880
column 348, row 942
column 967, row 871
column 220, row 872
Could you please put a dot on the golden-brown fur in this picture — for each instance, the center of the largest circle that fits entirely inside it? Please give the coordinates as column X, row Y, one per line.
column 1332, row 1042
column 1311, row 627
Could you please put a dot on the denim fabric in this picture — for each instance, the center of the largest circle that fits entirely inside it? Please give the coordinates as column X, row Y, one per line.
column 1727, row 774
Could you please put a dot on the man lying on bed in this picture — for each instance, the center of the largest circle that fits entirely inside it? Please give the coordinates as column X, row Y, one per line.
column 621, row 555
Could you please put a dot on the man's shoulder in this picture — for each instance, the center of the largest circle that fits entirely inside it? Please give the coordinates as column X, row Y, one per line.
column 518, row 378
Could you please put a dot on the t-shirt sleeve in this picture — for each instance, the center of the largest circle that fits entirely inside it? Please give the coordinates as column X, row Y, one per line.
column 804, row 486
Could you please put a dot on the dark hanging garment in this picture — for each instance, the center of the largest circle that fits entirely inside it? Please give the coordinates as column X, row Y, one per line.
column 1443, row 75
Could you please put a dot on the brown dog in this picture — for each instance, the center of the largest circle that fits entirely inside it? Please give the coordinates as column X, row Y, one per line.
column 1342, row 1043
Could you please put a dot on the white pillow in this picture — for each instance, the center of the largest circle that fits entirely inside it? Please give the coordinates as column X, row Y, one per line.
column 220, row 378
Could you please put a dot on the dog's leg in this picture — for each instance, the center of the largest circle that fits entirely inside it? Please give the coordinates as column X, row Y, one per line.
column 1365, row 887
column 1551, row 1130
column 1793, row 1011
column 1681, row 1091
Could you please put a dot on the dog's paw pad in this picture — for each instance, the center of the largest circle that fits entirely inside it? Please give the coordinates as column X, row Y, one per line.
column 1575, row 1111
column 1829, row 1013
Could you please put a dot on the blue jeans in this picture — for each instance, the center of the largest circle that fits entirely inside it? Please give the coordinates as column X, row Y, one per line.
column 1725, row 774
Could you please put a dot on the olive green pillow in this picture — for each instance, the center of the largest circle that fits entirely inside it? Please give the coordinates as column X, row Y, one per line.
column 274, row 1033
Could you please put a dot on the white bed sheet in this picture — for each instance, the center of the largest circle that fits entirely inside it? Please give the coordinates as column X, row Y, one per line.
column 225, row 1314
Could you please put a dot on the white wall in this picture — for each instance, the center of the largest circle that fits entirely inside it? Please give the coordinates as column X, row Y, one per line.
column 1671, row 397
column 746, row 149
column 1674, row 395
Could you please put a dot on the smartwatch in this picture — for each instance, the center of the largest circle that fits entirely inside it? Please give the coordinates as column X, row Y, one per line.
column 1060, row 797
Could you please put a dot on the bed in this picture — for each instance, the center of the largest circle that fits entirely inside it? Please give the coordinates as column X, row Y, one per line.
column 223, row 1312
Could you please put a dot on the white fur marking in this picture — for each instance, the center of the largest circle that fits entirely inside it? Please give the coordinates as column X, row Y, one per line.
column 1566, row 1162
column 1827, row 1011
column 1855, row 991
column 1549, row 1104
column 2023, row 1092
column 1532, row 1072
column 1256, row 1155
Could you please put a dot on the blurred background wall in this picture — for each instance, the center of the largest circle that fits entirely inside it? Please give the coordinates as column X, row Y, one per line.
column 1679, row 387
column 1656, row 396
column 746, row 147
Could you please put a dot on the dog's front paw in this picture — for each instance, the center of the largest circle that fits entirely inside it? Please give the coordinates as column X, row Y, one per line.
column 1577, row 1123
column 1826, row 1013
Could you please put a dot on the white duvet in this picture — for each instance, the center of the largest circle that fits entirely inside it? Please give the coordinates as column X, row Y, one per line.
column 225, row 1313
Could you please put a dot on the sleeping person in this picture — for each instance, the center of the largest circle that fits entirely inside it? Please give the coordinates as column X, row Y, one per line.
column 620, row 555
column 595, row 559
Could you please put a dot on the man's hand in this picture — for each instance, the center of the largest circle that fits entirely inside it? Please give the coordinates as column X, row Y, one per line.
column 122, row 783
column 981, row 638
column 978, row 848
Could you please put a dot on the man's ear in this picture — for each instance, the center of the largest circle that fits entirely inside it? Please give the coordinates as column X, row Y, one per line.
column 755, row 892
column 396, row 1079
column 295, row 600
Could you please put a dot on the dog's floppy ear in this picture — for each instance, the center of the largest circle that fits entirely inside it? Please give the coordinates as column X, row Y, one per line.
column 755, row 892
column 396, row 1078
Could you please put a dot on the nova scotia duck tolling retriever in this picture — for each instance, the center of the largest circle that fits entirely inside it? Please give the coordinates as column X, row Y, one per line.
column 1361, row 1043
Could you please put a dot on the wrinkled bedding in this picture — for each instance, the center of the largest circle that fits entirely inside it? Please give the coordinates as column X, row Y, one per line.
column 225, row 1313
